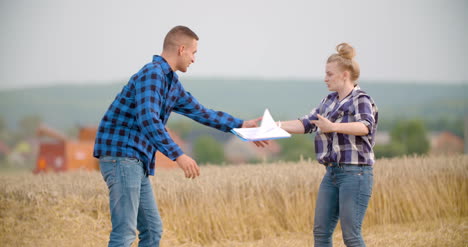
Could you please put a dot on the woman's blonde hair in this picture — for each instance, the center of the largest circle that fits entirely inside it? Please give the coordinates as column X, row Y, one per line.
column 345, row 61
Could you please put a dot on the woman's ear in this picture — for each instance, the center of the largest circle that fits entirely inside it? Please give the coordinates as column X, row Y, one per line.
column 346, row 75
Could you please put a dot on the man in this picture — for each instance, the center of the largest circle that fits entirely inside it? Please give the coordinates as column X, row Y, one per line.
column 133, row 129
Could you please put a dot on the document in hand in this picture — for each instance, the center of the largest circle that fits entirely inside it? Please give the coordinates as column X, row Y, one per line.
column 267, row 130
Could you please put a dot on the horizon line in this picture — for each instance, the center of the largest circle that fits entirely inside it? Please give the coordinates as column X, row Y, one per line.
column 72, row 83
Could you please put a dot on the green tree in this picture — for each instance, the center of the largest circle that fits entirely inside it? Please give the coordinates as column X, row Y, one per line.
column 390, row 150
column 297, row 146
column 412, row 134
column 207, row 150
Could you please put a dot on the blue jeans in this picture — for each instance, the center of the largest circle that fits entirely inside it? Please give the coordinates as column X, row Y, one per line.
column 131, row 201
column 344, row 194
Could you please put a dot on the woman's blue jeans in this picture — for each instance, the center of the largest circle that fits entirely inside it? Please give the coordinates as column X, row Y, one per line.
column 344, row 194
column 131, row 201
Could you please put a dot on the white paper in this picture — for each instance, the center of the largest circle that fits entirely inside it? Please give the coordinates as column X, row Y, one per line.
column 267, row 130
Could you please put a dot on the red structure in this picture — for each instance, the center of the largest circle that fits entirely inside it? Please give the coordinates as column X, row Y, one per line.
column 58, row 153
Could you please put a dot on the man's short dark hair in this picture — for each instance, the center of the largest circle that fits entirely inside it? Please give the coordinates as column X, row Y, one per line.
column 176, row 35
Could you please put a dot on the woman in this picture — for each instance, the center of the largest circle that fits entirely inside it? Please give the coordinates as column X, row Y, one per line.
column 345, row 122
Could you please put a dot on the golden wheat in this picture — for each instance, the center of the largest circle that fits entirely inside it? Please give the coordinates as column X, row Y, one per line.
column 416, row 201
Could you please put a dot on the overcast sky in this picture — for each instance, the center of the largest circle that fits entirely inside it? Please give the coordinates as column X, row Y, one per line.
column 47, row 42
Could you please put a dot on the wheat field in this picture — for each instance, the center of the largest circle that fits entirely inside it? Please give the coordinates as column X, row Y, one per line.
column 416, row 201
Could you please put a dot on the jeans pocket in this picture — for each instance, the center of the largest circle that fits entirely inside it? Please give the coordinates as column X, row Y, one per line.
column 108, row 171
column 132, row 173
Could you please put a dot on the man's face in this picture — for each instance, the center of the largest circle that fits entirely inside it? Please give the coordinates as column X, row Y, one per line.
column 187, row 55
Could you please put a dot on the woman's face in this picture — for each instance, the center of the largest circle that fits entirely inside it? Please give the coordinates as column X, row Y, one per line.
column 334, row 77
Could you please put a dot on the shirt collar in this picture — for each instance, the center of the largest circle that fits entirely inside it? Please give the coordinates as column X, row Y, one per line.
column 356, row 90
column 357, row 87
column 164, row 65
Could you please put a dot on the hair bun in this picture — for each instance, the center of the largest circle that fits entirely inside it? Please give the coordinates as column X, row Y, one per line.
column 346, row 51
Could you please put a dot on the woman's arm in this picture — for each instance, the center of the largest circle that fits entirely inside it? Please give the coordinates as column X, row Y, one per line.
column 292, row 126
column 353, row 128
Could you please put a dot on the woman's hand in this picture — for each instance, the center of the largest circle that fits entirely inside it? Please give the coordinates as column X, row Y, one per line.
column 352, row 128
column 325, row 125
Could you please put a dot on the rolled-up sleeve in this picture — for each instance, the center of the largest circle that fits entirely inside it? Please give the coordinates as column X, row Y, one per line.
column 308, row 126
column 364, row 112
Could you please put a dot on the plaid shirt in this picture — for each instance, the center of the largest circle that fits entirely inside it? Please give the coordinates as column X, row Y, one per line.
column 134, row 124
column 342, row 148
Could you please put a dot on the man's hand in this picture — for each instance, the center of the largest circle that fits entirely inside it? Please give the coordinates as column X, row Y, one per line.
column 251, row 124
column 325, row 125
column 189, row 166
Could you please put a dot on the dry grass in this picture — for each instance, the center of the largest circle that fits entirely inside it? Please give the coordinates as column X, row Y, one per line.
column 417, row 201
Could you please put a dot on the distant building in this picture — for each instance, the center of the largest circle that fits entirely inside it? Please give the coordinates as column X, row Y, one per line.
column 59, row 153
column 4, row 150
column 446, row 143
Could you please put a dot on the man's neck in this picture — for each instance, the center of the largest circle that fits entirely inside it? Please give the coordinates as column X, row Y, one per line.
column 170, row 60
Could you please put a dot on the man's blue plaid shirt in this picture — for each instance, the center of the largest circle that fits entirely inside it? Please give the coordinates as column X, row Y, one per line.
column 134, row 124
